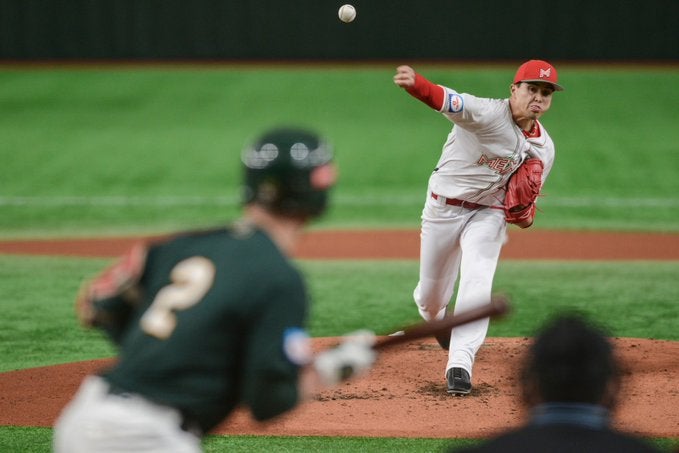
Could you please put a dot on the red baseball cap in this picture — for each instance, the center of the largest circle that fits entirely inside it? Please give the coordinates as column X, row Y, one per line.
column 538, row 71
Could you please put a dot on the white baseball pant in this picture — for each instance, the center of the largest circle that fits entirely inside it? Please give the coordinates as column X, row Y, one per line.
column 458, row 241
column 97, row 421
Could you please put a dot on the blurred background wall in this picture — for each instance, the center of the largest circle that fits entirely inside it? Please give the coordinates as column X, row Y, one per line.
column 619, row 30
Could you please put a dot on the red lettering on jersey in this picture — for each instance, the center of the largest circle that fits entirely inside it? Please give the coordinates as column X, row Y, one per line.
column 502, row 165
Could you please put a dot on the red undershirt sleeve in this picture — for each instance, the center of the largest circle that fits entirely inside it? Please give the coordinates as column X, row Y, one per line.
column 427, row 92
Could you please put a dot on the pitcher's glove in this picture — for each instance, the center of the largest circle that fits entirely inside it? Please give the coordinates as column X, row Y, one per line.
column 522, row 191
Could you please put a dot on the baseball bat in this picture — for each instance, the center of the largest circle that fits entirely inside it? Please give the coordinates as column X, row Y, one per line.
column 498, row 306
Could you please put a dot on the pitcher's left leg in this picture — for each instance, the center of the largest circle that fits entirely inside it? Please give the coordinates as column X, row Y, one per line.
column 481, row 243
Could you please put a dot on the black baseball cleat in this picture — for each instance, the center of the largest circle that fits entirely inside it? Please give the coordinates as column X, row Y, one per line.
column 459, row 382
column 443, row 337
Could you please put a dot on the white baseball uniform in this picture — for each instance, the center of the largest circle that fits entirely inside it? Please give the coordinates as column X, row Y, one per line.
column 483, row 149
column 97, row 421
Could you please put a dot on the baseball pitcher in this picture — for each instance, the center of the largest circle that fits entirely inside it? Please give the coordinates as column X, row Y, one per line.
column 491, row 169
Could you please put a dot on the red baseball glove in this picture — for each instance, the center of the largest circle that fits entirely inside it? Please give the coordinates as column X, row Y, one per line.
column 523, row 189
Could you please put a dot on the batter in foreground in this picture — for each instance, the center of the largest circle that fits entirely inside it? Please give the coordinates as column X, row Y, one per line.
column 208, row 321
column 466, row 211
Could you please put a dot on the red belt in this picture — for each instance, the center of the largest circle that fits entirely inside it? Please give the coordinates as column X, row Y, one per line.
column 456, row 202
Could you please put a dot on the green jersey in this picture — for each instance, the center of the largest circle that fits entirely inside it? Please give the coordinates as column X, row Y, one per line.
column 207, row 332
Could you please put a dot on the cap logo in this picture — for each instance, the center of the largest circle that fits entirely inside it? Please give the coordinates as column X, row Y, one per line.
column 546, row 73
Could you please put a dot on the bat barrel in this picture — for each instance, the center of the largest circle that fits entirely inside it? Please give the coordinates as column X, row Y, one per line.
column 498, row 306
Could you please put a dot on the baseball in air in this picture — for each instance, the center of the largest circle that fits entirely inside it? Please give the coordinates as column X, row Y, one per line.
column 347, row 13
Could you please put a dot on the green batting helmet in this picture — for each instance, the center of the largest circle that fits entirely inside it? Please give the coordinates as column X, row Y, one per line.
column 289, row 171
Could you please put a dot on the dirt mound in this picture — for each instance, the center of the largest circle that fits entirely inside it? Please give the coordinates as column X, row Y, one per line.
column 404, row 395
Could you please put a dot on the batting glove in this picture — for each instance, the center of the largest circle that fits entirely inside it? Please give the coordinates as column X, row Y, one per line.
column 353, row 357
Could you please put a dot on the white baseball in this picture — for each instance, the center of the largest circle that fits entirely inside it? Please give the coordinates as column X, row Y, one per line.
column 347, row 13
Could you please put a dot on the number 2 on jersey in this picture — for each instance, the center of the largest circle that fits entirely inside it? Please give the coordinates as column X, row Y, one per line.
column 191, row 280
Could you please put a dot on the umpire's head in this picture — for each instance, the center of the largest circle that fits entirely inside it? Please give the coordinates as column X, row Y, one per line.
column 571, row 360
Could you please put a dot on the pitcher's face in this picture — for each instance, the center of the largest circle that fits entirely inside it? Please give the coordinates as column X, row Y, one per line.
column 530, row 99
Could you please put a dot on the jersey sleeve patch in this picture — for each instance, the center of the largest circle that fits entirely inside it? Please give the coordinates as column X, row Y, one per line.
column 455, row 103
column 297, row 346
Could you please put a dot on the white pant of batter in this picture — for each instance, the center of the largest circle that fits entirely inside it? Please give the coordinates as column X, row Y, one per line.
column 99, row 422
column 458, row 241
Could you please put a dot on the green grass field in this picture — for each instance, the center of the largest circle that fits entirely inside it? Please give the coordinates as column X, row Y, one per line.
column 142, row 149
column 345, row 295
column 99, row 151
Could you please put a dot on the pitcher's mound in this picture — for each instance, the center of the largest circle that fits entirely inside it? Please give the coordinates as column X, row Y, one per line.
column 403, row 396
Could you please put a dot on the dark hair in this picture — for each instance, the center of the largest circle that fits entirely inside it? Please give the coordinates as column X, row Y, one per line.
column 570, row 360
